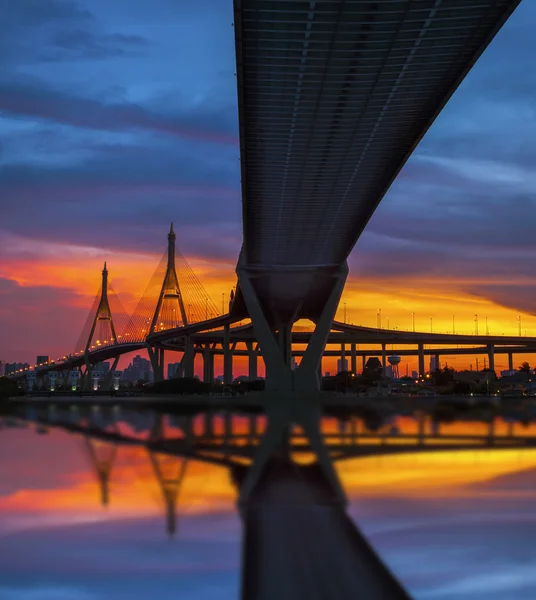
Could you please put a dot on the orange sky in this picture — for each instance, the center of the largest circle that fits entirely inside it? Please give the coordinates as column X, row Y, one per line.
column 76, row 270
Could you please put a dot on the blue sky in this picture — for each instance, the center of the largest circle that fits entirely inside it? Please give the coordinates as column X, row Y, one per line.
column 114, row 122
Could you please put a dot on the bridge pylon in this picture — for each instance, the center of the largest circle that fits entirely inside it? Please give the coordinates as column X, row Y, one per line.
column 169, row 311
column 102, row 326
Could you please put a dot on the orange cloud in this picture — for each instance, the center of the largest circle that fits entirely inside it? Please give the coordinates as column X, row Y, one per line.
column 431, row 301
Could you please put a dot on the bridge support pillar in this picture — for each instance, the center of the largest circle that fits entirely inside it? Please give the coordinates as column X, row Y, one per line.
column 275, row 337
column 353, row 366
column 86, row 382
column 510, row 361
column 252, row 362
column 421, row 360
column 208, row 364
column 491, row 357
column 363, row 363
column 227, row 358
column 384, row 360
column 343, row 358
column 156, row 356
column 189, row 358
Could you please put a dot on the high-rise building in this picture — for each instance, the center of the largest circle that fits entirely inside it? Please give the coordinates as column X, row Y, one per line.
column 433, row 363
column 138, row 370
column 42, row 360
column 172, row 370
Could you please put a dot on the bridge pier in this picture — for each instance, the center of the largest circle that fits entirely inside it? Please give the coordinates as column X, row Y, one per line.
column 353, row 366
column 189, row 358
column 421, row 360
column 491, row 357
column 343, row 357
column 384, row 359
column 252, row 362
column 157, row 358
column 208, row 364
column 510, row 361
column 227, row 358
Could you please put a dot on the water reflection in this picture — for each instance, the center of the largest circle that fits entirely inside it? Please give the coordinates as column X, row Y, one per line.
column 434, row 509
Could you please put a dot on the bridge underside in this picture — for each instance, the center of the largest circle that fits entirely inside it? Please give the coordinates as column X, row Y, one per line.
column 333, row 98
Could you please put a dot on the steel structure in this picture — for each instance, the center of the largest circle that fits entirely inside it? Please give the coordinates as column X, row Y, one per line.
column 333, row 97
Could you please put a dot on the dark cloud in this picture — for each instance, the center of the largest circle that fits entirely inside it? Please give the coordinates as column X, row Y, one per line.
column 80, row 44
column 64, row 31
column 36, row 13
column 38, row 101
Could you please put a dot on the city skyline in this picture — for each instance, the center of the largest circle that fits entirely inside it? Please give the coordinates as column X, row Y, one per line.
column 153, row 138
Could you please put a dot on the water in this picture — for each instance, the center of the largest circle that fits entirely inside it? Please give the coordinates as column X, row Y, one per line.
column 452, row 525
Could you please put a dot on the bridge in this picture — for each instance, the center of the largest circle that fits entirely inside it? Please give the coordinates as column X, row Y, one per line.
column 171, row 316
column 333, row 97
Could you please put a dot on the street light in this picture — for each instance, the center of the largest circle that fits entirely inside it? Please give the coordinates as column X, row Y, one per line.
column 413, row 321
column 476, row 324
column 431, row 328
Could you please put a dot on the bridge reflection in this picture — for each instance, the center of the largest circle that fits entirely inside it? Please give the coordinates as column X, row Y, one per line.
column 293, row 497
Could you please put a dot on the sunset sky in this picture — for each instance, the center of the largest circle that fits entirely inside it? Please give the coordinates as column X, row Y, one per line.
column 451, row 526
column 115, row 122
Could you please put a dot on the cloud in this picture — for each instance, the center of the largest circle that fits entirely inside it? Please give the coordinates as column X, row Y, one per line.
column 44, row 317
column 37, row 100
column 83, row 45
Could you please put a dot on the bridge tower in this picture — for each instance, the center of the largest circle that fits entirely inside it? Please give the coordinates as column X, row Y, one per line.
column 169, row 311
column 104, row 314
column 103, row 322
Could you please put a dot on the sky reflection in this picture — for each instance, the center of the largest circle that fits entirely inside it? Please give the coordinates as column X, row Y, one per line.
column 451, row 526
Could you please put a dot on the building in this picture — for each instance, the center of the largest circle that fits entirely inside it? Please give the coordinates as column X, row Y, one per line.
column 138, row 370
column 103, row 368
column 173, row 370
column 14, row 367
column 434, row 363
column 2, row 368
column 414, row 375
column 342, row 365
column 42, row 360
